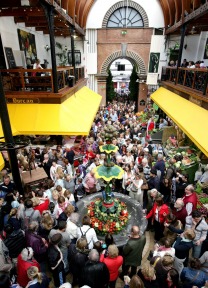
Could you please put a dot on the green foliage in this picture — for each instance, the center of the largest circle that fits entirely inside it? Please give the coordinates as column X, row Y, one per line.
column 133, row 85
column 62, row 55
column 110, row 94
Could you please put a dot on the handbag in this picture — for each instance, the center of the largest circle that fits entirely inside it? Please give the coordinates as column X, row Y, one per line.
column 144, row 186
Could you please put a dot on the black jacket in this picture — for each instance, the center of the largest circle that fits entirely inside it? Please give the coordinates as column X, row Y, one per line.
column 182, row 248
column 15, row 243
column 95, row 274
column 77, row 260
column 54, row 258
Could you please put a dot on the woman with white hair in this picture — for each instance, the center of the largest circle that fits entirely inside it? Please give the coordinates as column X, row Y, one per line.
column 37, row 279
column 24, row 261
column 71, row 226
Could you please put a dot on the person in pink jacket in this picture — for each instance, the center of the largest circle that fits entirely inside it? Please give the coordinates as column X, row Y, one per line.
column 158, row 214
column 113, row 261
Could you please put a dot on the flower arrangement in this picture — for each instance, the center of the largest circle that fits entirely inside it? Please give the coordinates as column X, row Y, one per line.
column 112, row 219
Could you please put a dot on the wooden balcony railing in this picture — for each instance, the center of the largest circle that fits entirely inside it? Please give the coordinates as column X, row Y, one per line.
column 196, row 79
column 30, row 80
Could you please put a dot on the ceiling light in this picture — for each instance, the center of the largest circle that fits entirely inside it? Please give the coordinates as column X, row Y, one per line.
column 193, row 30
column 74, row 35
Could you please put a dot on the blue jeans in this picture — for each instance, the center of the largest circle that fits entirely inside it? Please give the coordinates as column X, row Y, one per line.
column 197, row 251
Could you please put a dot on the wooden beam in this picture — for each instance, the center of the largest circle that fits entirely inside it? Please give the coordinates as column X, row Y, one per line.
column 202, row 10
column 65, row 16
column 22, row 12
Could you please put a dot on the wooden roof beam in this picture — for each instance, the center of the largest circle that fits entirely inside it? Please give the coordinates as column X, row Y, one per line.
column 194, row 15
column 60, row 11
column 23, row 11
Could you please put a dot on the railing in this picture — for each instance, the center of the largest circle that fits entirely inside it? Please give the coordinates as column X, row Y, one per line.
column 39, row 80
column 196, row 79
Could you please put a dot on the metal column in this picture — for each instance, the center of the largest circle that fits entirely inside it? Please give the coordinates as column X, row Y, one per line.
column 9, row 144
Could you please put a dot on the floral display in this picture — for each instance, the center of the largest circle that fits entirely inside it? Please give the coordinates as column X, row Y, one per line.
column 110, row 219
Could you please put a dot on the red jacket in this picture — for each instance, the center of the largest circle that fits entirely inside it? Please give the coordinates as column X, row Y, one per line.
column 113, row 265
column 22, row 266
column 43, row 206
column 191, row 199
column 163, row 210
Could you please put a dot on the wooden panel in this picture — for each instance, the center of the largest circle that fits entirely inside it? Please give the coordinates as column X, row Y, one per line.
column 10, row 3
column 78, row 4
column 81, row 10
column 196, row 4
column 64, row 5
column 178, row 7
column 171, row 6
column 186, row 6
column 71, row 8
column 165, row 9
column 86, row 12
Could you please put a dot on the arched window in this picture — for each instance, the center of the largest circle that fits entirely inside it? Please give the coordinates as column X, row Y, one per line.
column 125, row 17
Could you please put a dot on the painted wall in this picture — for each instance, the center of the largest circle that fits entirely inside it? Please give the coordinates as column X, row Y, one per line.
column 100, row 7
column 195, row 46
column 8, row 31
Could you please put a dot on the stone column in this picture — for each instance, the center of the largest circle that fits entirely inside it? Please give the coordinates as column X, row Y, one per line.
column 142, row 95
column 101, row 87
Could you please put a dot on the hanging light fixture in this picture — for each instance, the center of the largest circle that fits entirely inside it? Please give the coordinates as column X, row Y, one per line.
column 193, row 30
column 74, row 35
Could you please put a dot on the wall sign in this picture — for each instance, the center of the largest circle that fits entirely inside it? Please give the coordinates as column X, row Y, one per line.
column 22, row 101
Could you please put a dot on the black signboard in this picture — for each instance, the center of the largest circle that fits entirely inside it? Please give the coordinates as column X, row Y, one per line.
column 10, row 57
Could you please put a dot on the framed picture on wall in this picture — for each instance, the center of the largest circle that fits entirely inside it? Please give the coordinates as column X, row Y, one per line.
column 27, row 44
column 206, row 50
column 154, row 62
column 77, row 56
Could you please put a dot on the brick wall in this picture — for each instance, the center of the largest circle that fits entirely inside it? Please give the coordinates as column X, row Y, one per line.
column 109, row 41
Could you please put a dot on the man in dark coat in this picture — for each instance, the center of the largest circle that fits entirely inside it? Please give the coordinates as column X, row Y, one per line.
column 95, row 274
column 132, row 252
column 6, row 187
column 55, row 260
column 15, row 240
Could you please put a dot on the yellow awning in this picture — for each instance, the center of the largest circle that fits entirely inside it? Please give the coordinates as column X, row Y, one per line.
column 1, row 162
column 73, row 117
column 189, row 117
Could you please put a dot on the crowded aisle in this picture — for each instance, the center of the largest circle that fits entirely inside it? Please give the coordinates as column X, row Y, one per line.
column 42, row 241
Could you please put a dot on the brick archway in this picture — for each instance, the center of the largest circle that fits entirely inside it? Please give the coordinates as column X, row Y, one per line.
column 134, row 58
column 131, row 4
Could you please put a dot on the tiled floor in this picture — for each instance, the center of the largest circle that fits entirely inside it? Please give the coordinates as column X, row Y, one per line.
column 149, row 246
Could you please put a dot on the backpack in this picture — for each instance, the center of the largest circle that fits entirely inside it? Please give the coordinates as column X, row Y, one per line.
column 27, row 220
column 83, row 235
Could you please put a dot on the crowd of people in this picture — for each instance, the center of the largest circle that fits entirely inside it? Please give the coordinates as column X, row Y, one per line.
column 40, row 231
column 188, row 64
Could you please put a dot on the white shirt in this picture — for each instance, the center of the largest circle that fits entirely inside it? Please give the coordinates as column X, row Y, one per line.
column 71, row 229
column 90, row 235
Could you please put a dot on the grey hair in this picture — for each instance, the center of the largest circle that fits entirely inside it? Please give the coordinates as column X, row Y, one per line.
column 74, row 217
column 94, row 255
column 180, row 200
column 153, row 190
column 27, row 253
column 33, row 226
